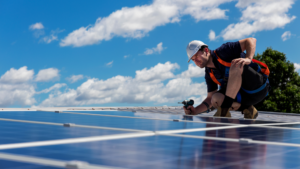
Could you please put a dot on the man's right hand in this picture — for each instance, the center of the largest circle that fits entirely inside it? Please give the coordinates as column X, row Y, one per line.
column 190, row 110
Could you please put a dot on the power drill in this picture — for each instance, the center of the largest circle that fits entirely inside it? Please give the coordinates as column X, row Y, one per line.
column 190, row 102
column 187, row 103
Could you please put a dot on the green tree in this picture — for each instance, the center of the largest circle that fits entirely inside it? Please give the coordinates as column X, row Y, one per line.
column 285, row 82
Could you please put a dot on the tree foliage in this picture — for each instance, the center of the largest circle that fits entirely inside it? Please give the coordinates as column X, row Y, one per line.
column 285, row 83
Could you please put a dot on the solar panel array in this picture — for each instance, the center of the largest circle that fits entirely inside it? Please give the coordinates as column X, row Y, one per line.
column 122, row 139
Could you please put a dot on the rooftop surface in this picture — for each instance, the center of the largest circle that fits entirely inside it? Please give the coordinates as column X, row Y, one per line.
column 145, row 137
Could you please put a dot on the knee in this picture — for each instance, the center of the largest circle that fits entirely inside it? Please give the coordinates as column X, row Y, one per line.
column 217, row 99
column 235, row 70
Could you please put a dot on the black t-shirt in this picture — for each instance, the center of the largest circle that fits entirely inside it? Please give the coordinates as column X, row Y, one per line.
column 227, row 52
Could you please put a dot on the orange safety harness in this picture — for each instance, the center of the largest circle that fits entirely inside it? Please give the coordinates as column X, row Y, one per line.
column 255, row 63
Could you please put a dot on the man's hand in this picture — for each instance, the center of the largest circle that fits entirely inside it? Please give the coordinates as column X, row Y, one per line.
column 240, row 62
column 190, row 110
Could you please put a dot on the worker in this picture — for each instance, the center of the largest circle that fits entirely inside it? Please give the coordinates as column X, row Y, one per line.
column 243, row 81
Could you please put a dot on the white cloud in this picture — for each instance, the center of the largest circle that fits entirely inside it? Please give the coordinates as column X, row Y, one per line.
column 54, row 87
column 46, row 75
column 126, row 56
column 297, row 66
column 17, row 94
column 137, row 21
column 38, row 33
column 286, row 35
column 156, row 49
column 53, row 36
column 160, row 72
column 49, row 39
column 147, row 86
column 16, row 87
column 75, row 78
column 109, row 64
column 38, row 29
column 37, row 25
column 258, row 16
column 193, row 71
column 212, row 35
column 14, row 76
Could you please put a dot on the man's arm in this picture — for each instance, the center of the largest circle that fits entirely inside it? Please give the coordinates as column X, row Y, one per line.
column 248, row 44
column 201, row 107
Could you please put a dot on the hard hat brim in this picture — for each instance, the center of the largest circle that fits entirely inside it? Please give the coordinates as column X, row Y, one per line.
column 193, row 47
column 192, row 56
column 189, row 60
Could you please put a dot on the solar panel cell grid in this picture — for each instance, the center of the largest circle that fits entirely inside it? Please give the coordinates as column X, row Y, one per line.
column 16, row 132
column 163, row 144
column 180, row 153
column 292, row 126
column 19, row 165
column 254, row 133
column 118, row 122
column 158, row 116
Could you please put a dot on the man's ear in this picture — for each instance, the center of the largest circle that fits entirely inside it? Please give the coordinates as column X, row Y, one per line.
column 206, row 50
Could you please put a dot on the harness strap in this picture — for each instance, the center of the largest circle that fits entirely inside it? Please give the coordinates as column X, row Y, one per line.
column 259, row 69
column 213, row 77
column 227, row 64
column 265, row 70
column 239, row 97
column 257, row 90
column 227, row 73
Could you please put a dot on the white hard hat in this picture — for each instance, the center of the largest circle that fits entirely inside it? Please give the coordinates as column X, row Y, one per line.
column 193, row 48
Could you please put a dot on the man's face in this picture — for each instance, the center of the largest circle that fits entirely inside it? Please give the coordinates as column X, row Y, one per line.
column 200, row 59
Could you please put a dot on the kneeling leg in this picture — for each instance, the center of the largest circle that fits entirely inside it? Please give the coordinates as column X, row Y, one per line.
column 218, row 98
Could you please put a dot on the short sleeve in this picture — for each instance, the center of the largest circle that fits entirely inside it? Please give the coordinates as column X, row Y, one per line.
column 229, row 51
column 211, row 85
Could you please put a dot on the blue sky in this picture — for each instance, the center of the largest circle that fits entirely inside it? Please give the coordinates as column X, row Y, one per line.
column 126, row 53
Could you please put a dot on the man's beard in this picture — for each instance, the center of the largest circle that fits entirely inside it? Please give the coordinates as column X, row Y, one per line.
column 205, row 63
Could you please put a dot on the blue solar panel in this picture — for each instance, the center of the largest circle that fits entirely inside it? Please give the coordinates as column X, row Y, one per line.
column 104, row 121
column 173, row 116
column 187, row 142
column 254, row 133
column 19, row 165
column 169, row 152
column 16, row 132
column 294, row 126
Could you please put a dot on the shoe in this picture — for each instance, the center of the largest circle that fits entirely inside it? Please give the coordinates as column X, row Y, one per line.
column 218, row 113
column 250, row 113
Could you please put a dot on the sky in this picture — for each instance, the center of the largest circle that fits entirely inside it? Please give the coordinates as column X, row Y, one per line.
column 127, row 53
